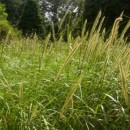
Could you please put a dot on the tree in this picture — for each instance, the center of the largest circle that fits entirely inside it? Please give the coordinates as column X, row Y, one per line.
column 55, row 10
column 111, row 9
column 51, row 8
column 31, row 21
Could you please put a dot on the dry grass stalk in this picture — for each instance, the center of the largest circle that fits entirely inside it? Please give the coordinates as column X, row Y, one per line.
column 69, row 99
column 124, row 31
column 100, row 25
column 53, row 31
column 84, row 29
column 124, row 84
column 63, row 19
column 68, row 58
column 114, row 32
column 95, row 24
column 46, row 44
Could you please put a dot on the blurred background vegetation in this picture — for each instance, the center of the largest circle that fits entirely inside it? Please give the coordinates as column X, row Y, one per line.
column 37, row 16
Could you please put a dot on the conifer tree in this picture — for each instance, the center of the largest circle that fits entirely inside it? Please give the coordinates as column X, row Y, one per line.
column 30, row 21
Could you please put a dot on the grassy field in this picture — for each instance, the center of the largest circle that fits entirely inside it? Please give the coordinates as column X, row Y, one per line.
column 83, row 84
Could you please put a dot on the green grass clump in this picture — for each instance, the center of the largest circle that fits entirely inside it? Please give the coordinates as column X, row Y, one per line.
column 80, row 85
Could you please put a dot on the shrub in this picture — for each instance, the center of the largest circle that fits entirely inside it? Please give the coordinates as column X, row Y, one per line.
column 6, row 30
column 3, row 15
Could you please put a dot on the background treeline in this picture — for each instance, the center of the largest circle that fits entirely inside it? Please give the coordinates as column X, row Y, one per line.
column 62, row 16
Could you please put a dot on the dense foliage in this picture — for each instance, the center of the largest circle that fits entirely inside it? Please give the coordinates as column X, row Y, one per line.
column 5, row 28
column 111, row 9
column 30, row 21
column 13, row 9
column 3, row 14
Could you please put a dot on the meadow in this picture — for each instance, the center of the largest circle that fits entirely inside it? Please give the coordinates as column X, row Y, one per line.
column 81, row 84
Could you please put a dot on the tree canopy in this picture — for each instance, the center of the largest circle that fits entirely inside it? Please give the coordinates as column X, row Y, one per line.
column 111, row 9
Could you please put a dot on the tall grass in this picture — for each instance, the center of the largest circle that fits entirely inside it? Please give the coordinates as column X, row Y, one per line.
column 80, row 85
